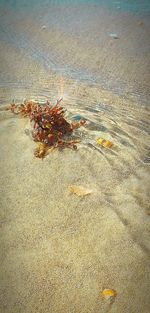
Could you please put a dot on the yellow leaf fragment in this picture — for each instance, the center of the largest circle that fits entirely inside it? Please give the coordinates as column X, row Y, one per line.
column 48, row 125
column 104, row 143
column 100, row 141
column 109, row 293
column 41, row 150
column 80, row 191
column 107, row 144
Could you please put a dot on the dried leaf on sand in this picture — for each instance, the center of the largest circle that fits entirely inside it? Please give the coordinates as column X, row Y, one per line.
column 80, row 191
column 42, row 150
column 104, row 143
column 109, row 294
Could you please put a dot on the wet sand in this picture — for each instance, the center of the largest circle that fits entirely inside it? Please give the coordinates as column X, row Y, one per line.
column 59, row 251
column 75, row 41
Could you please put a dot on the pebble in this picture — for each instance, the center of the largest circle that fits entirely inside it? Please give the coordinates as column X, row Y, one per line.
column 43, row 27
column 114, row 35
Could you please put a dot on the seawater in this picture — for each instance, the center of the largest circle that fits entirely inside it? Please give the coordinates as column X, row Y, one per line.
column 135, row 5
column 73, row 38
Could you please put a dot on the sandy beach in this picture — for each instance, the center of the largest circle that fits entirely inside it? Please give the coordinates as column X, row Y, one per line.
column 60, row 251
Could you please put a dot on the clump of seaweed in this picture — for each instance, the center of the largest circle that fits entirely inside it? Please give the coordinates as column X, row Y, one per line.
column 50, row 127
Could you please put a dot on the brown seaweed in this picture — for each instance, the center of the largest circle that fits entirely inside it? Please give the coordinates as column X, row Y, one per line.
column 50, row 128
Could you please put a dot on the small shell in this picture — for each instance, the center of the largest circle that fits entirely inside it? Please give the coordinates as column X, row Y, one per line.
column 114, row 36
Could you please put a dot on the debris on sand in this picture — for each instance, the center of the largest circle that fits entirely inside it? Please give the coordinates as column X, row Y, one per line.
column 80, row 191
column 114, row 36
column 104, row 143
column 50, row 127
column 109, row 295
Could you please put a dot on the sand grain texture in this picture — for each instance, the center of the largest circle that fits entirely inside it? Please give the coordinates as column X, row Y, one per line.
column 59, row 251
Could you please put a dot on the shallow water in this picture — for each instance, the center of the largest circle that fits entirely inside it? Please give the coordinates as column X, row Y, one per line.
column 74, row 39
column 65, row 49
column 50, row 50
column 134, row 6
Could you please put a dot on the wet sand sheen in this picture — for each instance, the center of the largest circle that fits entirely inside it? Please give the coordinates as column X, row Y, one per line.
column 59, row 251
column 76, row 41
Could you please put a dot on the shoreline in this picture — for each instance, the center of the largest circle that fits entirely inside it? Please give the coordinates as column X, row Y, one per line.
column 90, row 54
